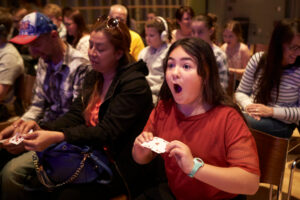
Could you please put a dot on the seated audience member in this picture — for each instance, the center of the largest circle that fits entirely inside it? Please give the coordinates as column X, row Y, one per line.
column 11, row 67
column 157, row 38
column 110, row 112
column 237, row 53
column 202, row 160
column 269, row 92
column 18, row 14
column 77, row 28
column 183, row 16
column 120, row 12
column 203, row 27
column 54, row 12
column 151, row 15
column 60, row 72
column 30, row 62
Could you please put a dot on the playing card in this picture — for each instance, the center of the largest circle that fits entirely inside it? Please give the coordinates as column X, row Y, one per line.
column 17, row 138
column 157, row 145
column 2, row 141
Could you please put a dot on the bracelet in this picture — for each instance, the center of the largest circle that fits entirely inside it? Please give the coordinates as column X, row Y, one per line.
column 198, row 163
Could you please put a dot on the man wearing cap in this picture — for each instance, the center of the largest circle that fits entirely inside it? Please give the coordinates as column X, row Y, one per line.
column 60, row 73
column 120, row 12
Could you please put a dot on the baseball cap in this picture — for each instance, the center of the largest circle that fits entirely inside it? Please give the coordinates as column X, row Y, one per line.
column 32, row 26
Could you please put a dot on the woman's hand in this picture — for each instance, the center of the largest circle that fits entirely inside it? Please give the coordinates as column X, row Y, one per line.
column 142, row 155
column 182, row 154
column 41, row 139
column 259, row 110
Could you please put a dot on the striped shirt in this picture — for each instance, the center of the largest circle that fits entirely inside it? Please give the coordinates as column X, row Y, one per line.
column 286, row 108
column 222, row 65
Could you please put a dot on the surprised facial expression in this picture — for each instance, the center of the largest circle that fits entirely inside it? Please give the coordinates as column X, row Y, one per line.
column 183, row 79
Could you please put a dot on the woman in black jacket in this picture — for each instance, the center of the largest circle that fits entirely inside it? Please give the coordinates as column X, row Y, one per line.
column 112, row 110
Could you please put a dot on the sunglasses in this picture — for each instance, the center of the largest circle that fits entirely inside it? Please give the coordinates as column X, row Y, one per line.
column 110, row 23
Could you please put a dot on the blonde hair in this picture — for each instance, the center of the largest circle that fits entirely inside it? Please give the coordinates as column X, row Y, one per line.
column 52, row 10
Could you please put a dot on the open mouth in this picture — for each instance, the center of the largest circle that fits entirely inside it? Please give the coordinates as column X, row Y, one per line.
column 177, row 88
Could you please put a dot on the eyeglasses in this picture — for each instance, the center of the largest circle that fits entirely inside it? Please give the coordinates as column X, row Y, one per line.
column 294, row 48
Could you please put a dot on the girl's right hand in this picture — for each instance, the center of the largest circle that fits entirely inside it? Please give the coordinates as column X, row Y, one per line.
column 139, row 140
column 142, row 154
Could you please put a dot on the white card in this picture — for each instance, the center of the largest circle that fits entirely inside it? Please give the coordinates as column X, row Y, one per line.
column 2, row 141
column 157, row 145
column 17, row 138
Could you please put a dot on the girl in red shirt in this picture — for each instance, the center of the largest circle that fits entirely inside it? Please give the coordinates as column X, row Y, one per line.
column 211, row 153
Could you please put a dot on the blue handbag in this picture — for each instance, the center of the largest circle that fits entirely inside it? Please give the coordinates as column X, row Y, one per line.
column 65, row 163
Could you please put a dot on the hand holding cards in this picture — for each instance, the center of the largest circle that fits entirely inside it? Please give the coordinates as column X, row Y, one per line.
column 18, row 138
column 157, row 145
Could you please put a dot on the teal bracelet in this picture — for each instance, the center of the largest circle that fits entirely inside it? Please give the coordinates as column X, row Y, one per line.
column 198, row 163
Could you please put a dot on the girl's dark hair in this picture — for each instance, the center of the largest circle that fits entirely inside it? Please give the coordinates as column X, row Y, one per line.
column 119, row 37
column 210, row 21
column 236, row 28
column 212, row 92
column 270, row 65
column 78, row 19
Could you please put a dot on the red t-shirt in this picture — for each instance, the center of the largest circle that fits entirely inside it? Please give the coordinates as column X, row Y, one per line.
column 219, row 137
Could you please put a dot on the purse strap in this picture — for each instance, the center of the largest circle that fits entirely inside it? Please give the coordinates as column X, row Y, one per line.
column 104, row 166
column 45, row 180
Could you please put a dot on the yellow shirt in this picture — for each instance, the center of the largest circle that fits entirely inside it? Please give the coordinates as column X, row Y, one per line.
column 136, row 45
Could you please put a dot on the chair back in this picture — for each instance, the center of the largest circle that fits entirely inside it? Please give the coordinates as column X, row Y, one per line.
column 272, row 152
column 23, row 90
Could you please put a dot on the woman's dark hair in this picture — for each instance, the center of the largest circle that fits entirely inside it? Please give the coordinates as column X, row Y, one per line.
column 212, row 92
column 78, row 19
column 236, row 28
column 180, row 12
column 270, row 65
column 184, row 9
column 210, row 21
column 119, row 36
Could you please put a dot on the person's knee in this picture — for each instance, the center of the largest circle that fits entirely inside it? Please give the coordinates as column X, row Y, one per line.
column 10, row 174
column 16, row 170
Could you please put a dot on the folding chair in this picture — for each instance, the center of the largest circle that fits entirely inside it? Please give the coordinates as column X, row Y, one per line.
column 272, row 152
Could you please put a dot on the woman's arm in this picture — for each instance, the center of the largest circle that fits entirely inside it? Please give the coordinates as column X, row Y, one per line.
column 245, row 88
column 130, row 103
column 290, row 114
column 246, row 55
